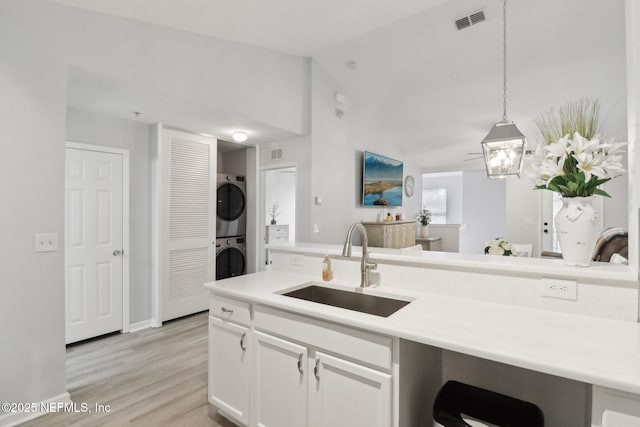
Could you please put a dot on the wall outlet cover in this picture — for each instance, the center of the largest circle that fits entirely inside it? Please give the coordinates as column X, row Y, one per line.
column 297, row 260
column 559, row 288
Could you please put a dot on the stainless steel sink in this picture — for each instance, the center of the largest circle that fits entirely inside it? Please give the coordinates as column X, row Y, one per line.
column 364, row 303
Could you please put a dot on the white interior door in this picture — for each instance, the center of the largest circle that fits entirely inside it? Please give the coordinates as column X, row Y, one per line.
column 93, row 243
column 187, row 226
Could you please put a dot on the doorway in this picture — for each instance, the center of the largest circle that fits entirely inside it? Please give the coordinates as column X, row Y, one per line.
column 96, row 241
column 280, row 189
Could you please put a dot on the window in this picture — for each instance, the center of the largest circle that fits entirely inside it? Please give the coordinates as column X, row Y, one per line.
column 435, row 199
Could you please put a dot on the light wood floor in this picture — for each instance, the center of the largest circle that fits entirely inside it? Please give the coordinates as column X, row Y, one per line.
column 154, row 377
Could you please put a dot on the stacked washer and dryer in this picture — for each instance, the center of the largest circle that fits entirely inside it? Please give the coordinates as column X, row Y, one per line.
column 231, row 226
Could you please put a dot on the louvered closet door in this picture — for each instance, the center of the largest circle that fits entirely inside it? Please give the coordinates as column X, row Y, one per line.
column 188, row 224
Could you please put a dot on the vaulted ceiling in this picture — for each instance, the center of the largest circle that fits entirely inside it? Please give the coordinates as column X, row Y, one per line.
column 435, row 90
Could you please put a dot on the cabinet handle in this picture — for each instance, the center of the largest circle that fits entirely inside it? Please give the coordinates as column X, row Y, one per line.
column 316, row 370
column 226, row 310
column 300, row 363
column 242, row 345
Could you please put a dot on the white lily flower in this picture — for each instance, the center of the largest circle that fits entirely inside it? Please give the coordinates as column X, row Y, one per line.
column 589, row 165
column 579, row 144
column 575, row 158
column 496, row 250
column 560, row 148
column 549, row 169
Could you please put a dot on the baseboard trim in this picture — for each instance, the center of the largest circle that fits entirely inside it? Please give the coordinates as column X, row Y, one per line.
column 138, row 326
column 14, row 418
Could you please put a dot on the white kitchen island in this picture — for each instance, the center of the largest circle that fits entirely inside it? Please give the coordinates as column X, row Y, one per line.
column 577, row 359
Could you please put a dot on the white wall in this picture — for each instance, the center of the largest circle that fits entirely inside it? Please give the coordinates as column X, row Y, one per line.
column 632, row 15
column 211, row 74
column 483, row 210
column 33, row 108
column 40, row 40
column 616, row 209
column 337, row 146
column 233, row 162
column 98, row 129
column 450, row 235
column 452, row 182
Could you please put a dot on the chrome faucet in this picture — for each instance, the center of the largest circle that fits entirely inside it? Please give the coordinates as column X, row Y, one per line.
column 365, row 265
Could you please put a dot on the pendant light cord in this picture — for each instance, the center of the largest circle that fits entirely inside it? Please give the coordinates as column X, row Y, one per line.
column 504, row 61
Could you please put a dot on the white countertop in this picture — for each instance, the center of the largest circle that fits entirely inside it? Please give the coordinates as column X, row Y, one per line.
column 588, row 349
column 474, row 262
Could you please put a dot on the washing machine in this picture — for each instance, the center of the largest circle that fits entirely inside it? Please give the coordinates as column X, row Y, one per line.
column 231, row 206
column 230, row 257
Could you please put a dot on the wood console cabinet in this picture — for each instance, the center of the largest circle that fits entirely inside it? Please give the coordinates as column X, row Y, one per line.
column 395, row 234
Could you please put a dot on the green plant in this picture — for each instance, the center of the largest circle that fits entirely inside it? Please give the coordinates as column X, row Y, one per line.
column 498, row 246
column 273, row 212
column 574, row 160
column 424, row 216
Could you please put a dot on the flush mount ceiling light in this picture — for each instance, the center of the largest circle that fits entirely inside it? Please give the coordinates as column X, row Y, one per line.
column 504, row 146
column 239, row 136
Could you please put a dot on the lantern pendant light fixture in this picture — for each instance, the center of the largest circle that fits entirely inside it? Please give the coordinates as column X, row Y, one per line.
column 504, row 146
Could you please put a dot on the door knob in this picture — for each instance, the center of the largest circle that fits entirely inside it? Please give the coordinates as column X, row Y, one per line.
column 117, row 252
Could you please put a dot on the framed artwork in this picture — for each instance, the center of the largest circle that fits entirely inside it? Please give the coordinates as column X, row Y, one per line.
column 381, row 180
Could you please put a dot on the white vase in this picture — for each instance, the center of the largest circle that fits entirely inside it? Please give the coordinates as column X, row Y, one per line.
column 577, row 227
column 424, row 231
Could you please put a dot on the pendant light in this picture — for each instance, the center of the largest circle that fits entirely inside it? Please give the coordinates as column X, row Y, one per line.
column 504, row 146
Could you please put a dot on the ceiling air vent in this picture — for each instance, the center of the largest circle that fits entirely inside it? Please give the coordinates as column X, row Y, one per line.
column 472, row 19
column 277, row 154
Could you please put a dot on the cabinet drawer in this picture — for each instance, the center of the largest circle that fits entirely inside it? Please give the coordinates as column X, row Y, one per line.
column 373, row 349
column 278, row 230
column 278, row 238
column 230, row 309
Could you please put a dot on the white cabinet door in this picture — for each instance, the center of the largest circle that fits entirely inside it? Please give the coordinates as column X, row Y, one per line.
column 281, row 382
column 345, row 394
column 229, row 368
column 93, row 243
column 617, row 419
column 612, row 408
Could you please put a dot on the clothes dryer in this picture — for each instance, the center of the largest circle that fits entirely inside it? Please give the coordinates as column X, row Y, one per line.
column 230, row 257
column 230, row 206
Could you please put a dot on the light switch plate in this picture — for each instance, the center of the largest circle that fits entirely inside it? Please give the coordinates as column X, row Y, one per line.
column 45, row 242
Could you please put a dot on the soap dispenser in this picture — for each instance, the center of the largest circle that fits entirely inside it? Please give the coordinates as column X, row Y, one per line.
column 327, row 273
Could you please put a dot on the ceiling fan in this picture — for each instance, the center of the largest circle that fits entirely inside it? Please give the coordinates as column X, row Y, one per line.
column 476, row 156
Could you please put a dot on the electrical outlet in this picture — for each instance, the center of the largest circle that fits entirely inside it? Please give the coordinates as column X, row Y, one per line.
column 297, row 260
column 558, row 288
column 45, row 242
